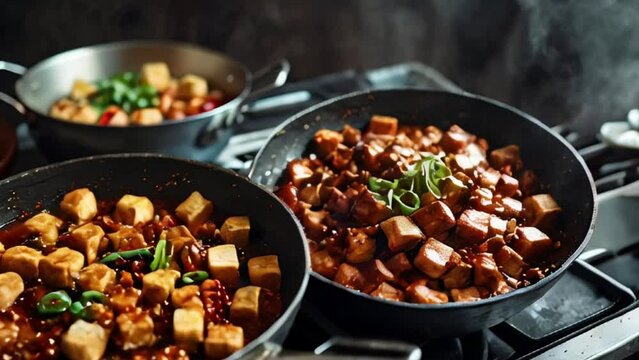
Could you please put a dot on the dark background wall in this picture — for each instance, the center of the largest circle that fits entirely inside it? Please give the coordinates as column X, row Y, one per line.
column 564, row 60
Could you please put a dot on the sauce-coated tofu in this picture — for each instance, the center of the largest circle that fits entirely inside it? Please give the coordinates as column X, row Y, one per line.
column 82, row 89
column 80, row 205
column 192, row 86
column 496, row 226
column 136, row 329
column 246, row 305
column 86, row 239
column 179, row 236
column 324, row 264
column 127, row 238
column 434, row 219
column 388, row 292
column 188, row 328
column 46, row 225
column 508, row 155
column 507, row 185
column 125, row 299
column 235, row 230
column 223, row 340
column 194, row 211
column 96, row 277
column 458, row 276
column 360, row 247
column 148, row 116
column 11, row 286
column 433, row 258
column 158, row 285
column 264, row 271
column 402, row 233
column 60, row 268
column 383, row 125
column 326, row 141
column 187, row 297
column 509, row 261
column 531, row 243
column 472, row 225
column 22, row 260
column 455, row 139
column 224, row 264
column 418, row 292
column 349, row 276
column 467, row 294
column 541, row 211
column 84, row 341
column 134, row 210
column 156, row 74
column 486, row 271
column 399, row 263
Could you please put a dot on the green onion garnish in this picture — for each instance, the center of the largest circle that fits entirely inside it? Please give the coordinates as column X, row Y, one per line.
column 92, row 296
column 143, row 252
column 54, row 303
column 194, row 277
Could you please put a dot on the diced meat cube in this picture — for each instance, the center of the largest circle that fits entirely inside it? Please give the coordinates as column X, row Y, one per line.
column 300, row 172
column 326, row 141
column 134, row 210
column 434, row 218
column 86, row 239
column 85, row 114
column 11, row 286
column 310, row 195
column 455, row 139
column 349, row 276
column 476, row 155
column 125, row 300
column 492, row 245
column 80, row 205
column 82, row 89
column 147, row 116
column 45, row 225
column 541, row 211
column 136, row 329
column 60, row 268
column 84, row 341
column 360, row 247
column 486, row 271
column 224, row 264
column 223, row 340
column 351, row 135
column 510, row 262
column 531, row 243
column 433, row 258
column 402, row 233
column 383, row 125
column 472, row 225
column 369, row 210
column 235, row 230
column 506, row 156
column 98, row 277
column 264, row 271
column 22, row 260
column 507, row 185
column 246, row 305
column 418, row 292
column 156, row 74
column 489, row 178
column 127, row 238
column 511, row 207
column 375, row 273
column 388, row 292
column 324, row 264
column 463, row 163
column 194, row 211
column 465, row 295
column 158, row 285
column 340, row 203
column 179, row 236
column 187, row 297
column 458, row 276
column 192, row 86
column 188, row 328
column 313, row 222
column 399, row 264
column 496, row 226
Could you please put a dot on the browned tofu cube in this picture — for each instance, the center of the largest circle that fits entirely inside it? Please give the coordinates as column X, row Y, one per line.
column 486, row 271
column 188, row 328
column 147, row 116
column 399, row 264
column 158, row 285
column 510, row 262
column 541, row 211
column 127, row 238
column 326, row 141
column 402, row 233
column 506, row 156
column 84, row 341
column 388, row 292
column 463, row 163
column 264, row 271
column 86, row 239
column 22, row 260
column 134, row 210
column 458, row 276
column 125, row 299
column 349, row 276
column 223, row 340
column 455, row 139
column 360, row 247
column 98, row 277
column 179, row 236
column 194, row 211
column 61, row 268
column 465, row 295
column 187, row 297
column 375, row 273
column 507, row 185
column 433, row 258
column 235, row 230
column 531, row 243
column 324, row 264
column 224, row 264
column 489, row 178
column 454, row 192
column 369, row 210
column 192, row 86
column 80, row 205
column 245, row 307
column 136, row 329
column 45, row 225
column 383, row 125
column 434, row 218
column 418, row 292
column 510, row 207
column 492, row 245
column 156, row 74
column 472, row 225
column 11, row 286
column 496, row 226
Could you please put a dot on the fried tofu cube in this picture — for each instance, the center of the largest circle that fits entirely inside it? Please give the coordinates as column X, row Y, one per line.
column 46, row 225
column 136, row 329
column 506, row 156
column 458, row 276
column 496, row 226
column 531, row 243
column 85, row 114
column 146, row 116
column 434, row 257
column 223, row 340
column 179, row 232
column 187, row 297
column 324, row 264
column 418, row 292
column 11, row 286
column 156, row 74
column 80, row 205
column 383, row 125
column 492, row 245
column 23, row 260
column 86, row 239
column 246, row 305
column 188, row 328
column 195, row 210
column 541, row 211
column 507, row 185
column 264, row 271
column 63, row 109
column 388, row 292
column 489, row 178
column 158, row 285
column 486, row 271
column 84, row 341
column 235, row 230
column 82, row 89
column 61, row 268
column 402, row 233
column 125, row 300
column 127, row 238
column 360, row 247
column 467, row 294
column 472, row 225
column 224, row 264
column 98, row 277
column 192, row 86
column 509, row 261
column 454, row 192
column 434, row 218
column 455, row 139
column 511, row 208
column 134, row 210
column 349, row 276
column 326, row 141
column 399, row 263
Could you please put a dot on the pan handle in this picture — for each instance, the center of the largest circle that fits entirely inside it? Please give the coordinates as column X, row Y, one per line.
column 12, row 67
column 15, row 69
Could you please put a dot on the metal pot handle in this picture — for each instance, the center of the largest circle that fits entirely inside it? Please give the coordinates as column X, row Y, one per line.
column 16, row 69
column 12, row 67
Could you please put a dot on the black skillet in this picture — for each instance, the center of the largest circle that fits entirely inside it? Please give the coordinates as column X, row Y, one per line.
column 552, row 158
column 172, row 180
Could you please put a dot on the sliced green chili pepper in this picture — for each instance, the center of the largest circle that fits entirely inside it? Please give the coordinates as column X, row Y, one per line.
column 54, row 303
column 194, row 277
column 405, row 208
column 77, row 308
column 378, row 184
column 92, row 296
column 159, row 255
column 143, row 252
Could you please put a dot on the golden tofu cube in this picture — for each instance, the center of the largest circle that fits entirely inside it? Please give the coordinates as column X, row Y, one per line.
column 22, row 260
column 179, row 236
column 86, row 114
column 192, row 86
column 46, row 225
column 223, row 340
column 60, row 268
column 187, row 297
column 383, row 125
column 418, row 292
column 86, row 239
column 11, row 286
column 531, row 243
column 541, row 211
column 402, row 233
column 134, row 210
column 433, row 258
column 510, row 262
column 125, row 300
column 224, row 264
column 136, row 329
column 84, row 341
column 147, row 116
column 127, row 238
column 158, row 285
column 82, row 89
column 246, row 305
column 80, row 204
column 98, row 277
column 467, row 294
column 188, row 328
column 63, row 109
column 388, row 292
column 235, row 230
column 195, row 210
column 156, row 74
column 458, row 276
column 361, row 247
column 264, row 271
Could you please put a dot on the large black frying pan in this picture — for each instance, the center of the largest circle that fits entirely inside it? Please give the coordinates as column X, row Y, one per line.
column 169, row 179
column 555, row 161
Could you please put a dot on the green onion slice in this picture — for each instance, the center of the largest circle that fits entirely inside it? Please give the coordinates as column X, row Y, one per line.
column 142, row 252
column 194, row 277
column 159, row 255
column 407, row 201
column 55, row 302
column 92, row 296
